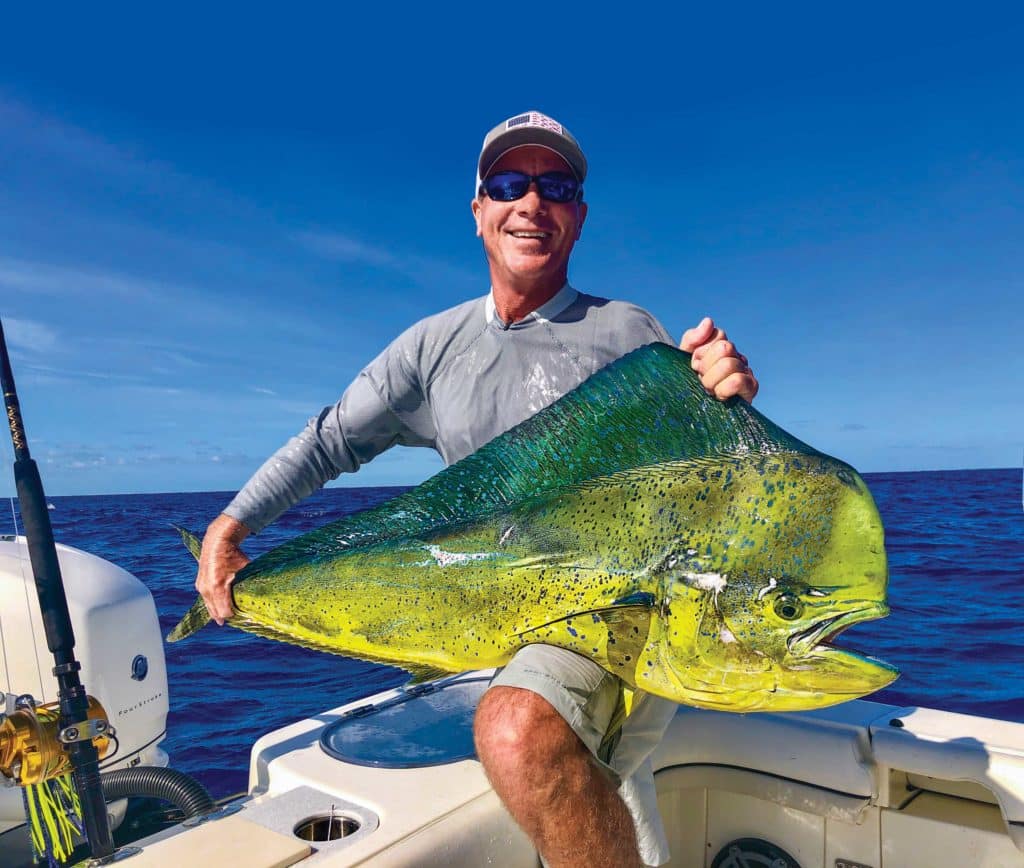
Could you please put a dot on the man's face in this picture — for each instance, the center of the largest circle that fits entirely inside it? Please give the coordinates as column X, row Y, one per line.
column 531, row 238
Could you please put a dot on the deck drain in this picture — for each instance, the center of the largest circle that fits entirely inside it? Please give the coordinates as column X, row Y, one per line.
column 326, row 827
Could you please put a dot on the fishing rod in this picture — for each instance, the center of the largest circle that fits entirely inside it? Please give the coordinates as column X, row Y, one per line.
column 77, row 728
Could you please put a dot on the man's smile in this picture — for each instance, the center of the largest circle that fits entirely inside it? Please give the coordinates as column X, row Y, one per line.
column 529, row 233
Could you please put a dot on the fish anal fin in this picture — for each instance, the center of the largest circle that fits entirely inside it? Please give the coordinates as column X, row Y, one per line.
column 195, row 619
column 629, row 700
column 422, row 673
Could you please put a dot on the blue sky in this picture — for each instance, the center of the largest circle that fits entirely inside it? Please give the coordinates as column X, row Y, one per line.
column 209, row 223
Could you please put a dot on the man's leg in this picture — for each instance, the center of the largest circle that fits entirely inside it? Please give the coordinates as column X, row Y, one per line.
column 551, row 784
column 547, row 776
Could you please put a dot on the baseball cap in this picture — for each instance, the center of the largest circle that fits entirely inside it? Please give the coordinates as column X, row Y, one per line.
column 531, row 128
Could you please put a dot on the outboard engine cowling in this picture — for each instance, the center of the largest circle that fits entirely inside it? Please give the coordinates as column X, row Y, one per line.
column 117, row 641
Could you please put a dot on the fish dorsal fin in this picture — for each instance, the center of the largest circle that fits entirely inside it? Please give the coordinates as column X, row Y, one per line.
column 645, row 408
column 192, row 542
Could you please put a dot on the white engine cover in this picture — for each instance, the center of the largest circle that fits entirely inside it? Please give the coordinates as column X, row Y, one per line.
column 115, row 623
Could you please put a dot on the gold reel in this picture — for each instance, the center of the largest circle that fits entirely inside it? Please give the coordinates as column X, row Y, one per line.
column 33, row 748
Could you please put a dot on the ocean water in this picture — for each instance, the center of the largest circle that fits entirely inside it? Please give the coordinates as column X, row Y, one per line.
column 956, row 555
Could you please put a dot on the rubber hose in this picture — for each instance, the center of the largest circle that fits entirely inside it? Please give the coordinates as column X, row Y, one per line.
column 178, row 788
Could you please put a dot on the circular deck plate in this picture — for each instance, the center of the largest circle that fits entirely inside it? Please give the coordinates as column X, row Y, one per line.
column 429, row 729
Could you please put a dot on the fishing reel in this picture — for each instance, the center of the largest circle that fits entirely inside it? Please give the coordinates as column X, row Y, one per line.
column 33, row 746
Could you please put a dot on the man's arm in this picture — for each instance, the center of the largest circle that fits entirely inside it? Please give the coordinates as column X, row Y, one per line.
column 339, row 440
column 722, row 369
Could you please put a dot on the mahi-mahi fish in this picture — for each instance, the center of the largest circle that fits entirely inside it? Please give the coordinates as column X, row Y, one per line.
column 689, row 546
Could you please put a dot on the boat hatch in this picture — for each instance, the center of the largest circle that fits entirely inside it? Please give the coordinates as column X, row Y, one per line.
column 426, row 725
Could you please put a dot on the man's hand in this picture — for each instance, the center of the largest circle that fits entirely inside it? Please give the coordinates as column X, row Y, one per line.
column 723, row 371
column 221, row 558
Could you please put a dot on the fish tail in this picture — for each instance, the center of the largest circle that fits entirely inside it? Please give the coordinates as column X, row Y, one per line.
column 195, row 619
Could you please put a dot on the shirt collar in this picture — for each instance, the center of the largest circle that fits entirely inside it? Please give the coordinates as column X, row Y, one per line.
column 547, row 311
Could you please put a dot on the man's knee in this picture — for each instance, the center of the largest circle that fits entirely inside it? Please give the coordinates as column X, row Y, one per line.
column 515, row 727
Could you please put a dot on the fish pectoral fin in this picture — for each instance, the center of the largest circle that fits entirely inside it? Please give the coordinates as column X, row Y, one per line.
column 628, row 621
column 638, row 601
column 192, row 542
column 628, row 629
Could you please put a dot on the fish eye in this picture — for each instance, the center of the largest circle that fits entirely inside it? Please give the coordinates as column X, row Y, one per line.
column 788, row 607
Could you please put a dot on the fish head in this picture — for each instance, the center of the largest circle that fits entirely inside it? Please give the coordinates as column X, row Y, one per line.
column 747, row 622
column 789, row 625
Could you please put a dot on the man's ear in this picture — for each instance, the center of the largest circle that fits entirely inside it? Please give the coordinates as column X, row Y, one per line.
column 583, row 216
column 476, row 208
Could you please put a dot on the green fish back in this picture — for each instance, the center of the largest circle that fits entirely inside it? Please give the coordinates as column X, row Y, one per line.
column 646, row 408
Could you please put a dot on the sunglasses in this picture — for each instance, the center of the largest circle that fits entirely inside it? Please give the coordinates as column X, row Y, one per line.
column 552, row 186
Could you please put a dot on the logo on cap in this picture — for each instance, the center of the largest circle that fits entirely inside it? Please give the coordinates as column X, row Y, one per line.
column 534, row 119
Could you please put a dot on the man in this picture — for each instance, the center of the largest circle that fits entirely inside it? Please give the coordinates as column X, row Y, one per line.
column 453, row 382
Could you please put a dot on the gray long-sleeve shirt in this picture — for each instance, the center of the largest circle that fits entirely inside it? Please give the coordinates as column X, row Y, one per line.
column 453, row 382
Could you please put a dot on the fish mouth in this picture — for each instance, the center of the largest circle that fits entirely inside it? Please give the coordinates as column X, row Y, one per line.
column 819, row 636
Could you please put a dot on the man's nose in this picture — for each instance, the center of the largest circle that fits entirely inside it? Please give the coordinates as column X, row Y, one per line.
column 532, row 202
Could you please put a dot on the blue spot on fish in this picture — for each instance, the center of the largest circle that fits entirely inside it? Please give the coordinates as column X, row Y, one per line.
column 637, row 598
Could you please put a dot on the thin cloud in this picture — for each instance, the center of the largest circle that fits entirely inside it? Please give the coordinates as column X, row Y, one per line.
column 50, row 142
column 425, row 270
column 342, row 248
column 50, row 166
column 145, row 299
column 43, row 135
column 25, row 334
column 81, row 457
column 61, row 281
column 72, row 374
column 74, row 455
column 853, row 426
column 174, row 359
column 940, row 447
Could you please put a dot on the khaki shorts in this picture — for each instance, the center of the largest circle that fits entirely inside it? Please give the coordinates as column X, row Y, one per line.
column 586, row 696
